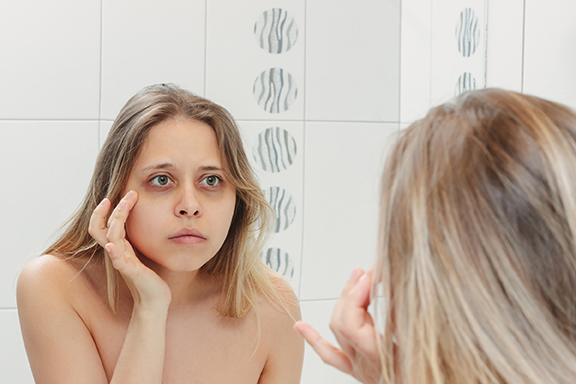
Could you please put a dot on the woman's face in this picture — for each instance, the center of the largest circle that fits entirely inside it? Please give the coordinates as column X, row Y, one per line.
column 185, row 205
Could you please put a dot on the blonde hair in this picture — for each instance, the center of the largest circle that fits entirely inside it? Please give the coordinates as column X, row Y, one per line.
column 243, row 274
column 477, row 244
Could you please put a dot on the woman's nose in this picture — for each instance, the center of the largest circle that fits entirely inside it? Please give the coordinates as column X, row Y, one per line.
column 188, row 204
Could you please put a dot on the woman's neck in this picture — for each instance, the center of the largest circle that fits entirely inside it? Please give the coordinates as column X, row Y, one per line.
column 186, row 287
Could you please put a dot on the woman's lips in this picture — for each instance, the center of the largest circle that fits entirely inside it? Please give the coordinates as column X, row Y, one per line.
column 188, row 236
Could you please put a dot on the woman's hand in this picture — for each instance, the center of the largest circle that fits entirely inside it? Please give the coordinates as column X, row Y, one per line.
column 147, row 288
column 354, row 329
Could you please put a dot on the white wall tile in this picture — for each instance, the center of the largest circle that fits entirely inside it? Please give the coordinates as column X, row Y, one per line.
column 315, row 371
column 342, row 169
column 415, row 65
column 288, row 240
column 147, row 42
column 448, row 63
column 504, row 44
column 49, row 165
column 549, row 57
column 234, row 58
column 352, row 60
column 13, row 360
column 50, row 66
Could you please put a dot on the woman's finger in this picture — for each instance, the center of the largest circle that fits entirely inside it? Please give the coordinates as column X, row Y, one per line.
column 118, row 260
column 116, row 231
column 97, row 227
column 327, row 352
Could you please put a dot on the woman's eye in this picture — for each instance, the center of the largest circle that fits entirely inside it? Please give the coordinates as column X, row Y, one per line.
column 211, row 181
column 161, row 180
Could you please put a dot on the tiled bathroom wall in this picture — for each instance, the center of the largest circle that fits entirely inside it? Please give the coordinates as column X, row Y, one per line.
column 319, row 87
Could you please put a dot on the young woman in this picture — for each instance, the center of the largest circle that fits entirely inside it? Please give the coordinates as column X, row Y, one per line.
column 157, row 278
column 477, row 253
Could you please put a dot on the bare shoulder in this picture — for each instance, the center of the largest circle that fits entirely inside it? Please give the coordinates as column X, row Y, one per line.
column 55, row 336
column 44, row 275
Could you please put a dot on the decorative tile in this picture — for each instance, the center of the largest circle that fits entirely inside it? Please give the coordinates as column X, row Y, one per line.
column 275, row 90
column 278, row 146
column 283, row 205
column 275, row 150
column 276, row 31
column 279, row 261
column 249, row 80
column 458, row 47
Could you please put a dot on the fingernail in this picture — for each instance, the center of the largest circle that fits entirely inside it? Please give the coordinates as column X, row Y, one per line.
column 103, row 201
column 130, row 194
column 362, row 278
column 121, row 205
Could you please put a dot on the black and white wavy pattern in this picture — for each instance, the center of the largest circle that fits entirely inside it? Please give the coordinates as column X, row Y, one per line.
column 275, row 90
column 468, row 32
column 274, row 150
column 283, row 205
column 279, row 261
column 276, row 31
column 466, row 82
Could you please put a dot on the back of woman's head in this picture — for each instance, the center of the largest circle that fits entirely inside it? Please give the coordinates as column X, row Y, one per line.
column 478, row 244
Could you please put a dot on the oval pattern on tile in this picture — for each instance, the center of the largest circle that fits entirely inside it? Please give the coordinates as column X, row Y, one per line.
column 279, row 261
column 467, row 32
column 276, row 31
column 466, row 82
column 275, row 90
column 274, row 150
column 283, row 205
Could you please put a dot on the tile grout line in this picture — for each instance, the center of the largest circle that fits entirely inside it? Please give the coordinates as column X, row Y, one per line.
column 400, row 68
column 305, row 37
column 205, row 41
column 244, row 120
column 523, row 46
column 487, row 18
column 100, row 82
column 431, row 51
column 314, row 300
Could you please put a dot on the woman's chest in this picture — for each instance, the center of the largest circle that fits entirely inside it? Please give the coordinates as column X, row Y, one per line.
column 200, row 348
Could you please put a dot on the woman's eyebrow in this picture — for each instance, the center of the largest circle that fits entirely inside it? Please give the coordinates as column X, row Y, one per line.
column 158, row 166
column 171, row 166
column 210, row 168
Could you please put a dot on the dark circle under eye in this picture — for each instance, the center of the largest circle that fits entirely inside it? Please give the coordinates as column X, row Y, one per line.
column 162, row 180
column 212, row 180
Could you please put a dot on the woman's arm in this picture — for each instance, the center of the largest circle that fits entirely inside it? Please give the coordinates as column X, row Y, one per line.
column 60, row 346
column 284, row 363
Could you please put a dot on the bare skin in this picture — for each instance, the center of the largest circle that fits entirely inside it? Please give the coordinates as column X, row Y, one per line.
column 166, row 328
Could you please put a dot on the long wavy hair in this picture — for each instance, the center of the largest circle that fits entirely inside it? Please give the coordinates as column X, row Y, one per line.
column 237, row 262
column 477, row 244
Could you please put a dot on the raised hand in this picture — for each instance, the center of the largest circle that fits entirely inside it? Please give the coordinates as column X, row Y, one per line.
column 354, row 330
column 147, row 288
